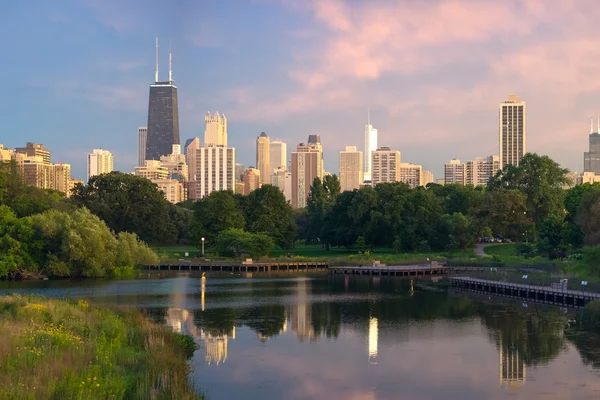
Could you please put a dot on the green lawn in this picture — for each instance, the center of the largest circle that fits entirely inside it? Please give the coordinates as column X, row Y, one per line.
column 506, row 250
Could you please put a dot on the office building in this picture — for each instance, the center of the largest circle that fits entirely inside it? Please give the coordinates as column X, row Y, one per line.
column 277, row 155
column 99, row 162
column 35, row 150
column 370, row 147
column 427, row 178
column 163, row 116
column 411, row 174
column 215, row 170
column 251, row 180
column 591, row 158
column 455, row 172
column 215, row 132
column 385, row 166
column 282, row 179
column 481, row 169
column 307, row 164
column 263, row 161
column 513, row 131
column 142, row 137
column 351, row 169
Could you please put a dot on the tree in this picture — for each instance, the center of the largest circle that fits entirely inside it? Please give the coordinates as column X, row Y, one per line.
column 588, row 217
column 541, row 179
column 268, row 212
column 504, row 213
column 339, row 229
column 16, row 237
column 128, row 203
column 573, row 205
column 456, row 231
column 216, row 213
column 236, row 242
column 552, row 240
column 323, row 194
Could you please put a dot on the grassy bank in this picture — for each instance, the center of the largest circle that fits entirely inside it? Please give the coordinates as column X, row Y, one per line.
column 54, row 349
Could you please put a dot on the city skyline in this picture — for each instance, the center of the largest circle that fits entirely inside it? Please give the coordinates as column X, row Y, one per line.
column 97, row 83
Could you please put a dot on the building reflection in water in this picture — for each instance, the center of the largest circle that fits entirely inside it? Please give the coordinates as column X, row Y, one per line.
column 512, row 366
column 302, row 313
column 373, row 339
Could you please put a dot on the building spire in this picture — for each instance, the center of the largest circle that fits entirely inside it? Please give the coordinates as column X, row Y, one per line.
column 592, row 126
column 156, row 72
column 170, row 65
column 368, row 116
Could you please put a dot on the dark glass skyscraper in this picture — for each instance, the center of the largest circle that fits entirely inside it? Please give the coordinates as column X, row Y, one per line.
column 163, row 116
column 591, row 159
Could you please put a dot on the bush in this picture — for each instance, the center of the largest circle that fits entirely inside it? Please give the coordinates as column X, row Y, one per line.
column 237, row 242
column 527, row 250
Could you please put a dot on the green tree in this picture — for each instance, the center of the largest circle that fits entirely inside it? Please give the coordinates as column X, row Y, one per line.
column 573, row 205
column 504, row 213
column 16, row 237
column 552, row 237
column 236, row 242
column 588, row 217
column 456, row 231
column 268, row 212
column 128, row 203
column 323, row 194
column 216, row 213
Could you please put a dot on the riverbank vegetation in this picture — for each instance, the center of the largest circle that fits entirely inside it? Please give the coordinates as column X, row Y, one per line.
column 53, row 349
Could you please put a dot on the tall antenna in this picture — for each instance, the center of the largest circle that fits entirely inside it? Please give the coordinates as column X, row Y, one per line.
column 156, row 73
column 368, row 116
column 170, row 69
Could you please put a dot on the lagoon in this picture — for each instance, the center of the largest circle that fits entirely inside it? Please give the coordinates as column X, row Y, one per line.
column 325, row 337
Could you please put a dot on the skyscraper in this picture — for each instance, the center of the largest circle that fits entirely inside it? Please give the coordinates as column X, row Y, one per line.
column 142, row 137
column 411, row 174
column 277, row 155
column 215, row 132
column 35, row 150
column 191, row 147
column 385, row 166
column 513, row 131
column 263, row 161
column 351, row 169
column 99, row 162
column 481, row 169
column 307, row 164
column 370, row 147
column 215, row 170
column 591, row 158
column 163, row 116
column 251, row 180
column 455, row 172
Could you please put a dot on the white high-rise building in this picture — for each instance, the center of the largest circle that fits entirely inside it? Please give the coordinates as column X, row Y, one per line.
column 278, row 155
column 411, row 174
column 283, row 180
column 455, row 172
column 215, row 132
column 386, row 166
column 215, row 170
column 513, row 131
column 191, row 150
column 351, row 169
column 481, row 169
column 427, row 178
column 370, row 147
column 142, row 137
column 99, row 162
column 263, row 160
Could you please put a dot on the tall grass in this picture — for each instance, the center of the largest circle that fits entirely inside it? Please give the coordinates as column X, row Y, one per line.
column 55, row 349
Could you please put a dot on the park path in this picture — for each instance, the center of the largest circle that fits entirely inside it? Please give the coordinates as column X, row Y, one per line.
column 479, row 249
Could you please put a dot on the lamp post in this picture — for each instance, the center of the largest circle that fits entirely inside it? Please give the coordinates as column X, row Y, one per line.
column 202, row 247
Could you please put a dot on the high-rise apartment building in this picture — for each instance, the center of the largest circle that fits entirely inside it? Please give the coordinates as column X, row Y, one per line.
column 411, row 174
column 175, row 164
column 152, row 170
column 370, row 147
column 5, row 154
column 163, row 115
column 191, row 151
column 591, row 158
column 62, row 178
column 263, row 161
column 385, row 166
column 173, row 189
column 277, row 155
column 513, row 131
column 481, row 169
column 307, row 164
column 239, row 172
column 282, row 179
column 36, row 172
column 351, row 169
column 142, row 138
column 35, row 150
column 215, row 170
column 215, row 132
column 427, row 178
column 99, row 162
column 252, row 180
column 455, row 172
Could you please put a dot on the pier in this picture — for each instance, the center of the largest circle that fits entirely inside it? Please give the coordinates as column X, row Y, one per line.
column 393, row 270
column 184, row 265
column 539, row 294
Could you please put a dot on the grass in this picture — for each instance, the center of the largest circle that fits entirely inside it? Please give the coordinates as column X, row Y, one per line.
column 56, row 349
column 501, row 250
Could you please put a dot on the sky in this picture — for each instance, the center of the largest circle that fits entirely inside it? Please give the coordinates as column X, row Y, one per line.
column 432, row 72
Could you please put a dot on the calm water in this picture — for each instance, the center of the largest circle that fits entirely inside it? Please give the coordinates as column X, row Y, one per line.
column 357, row 338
